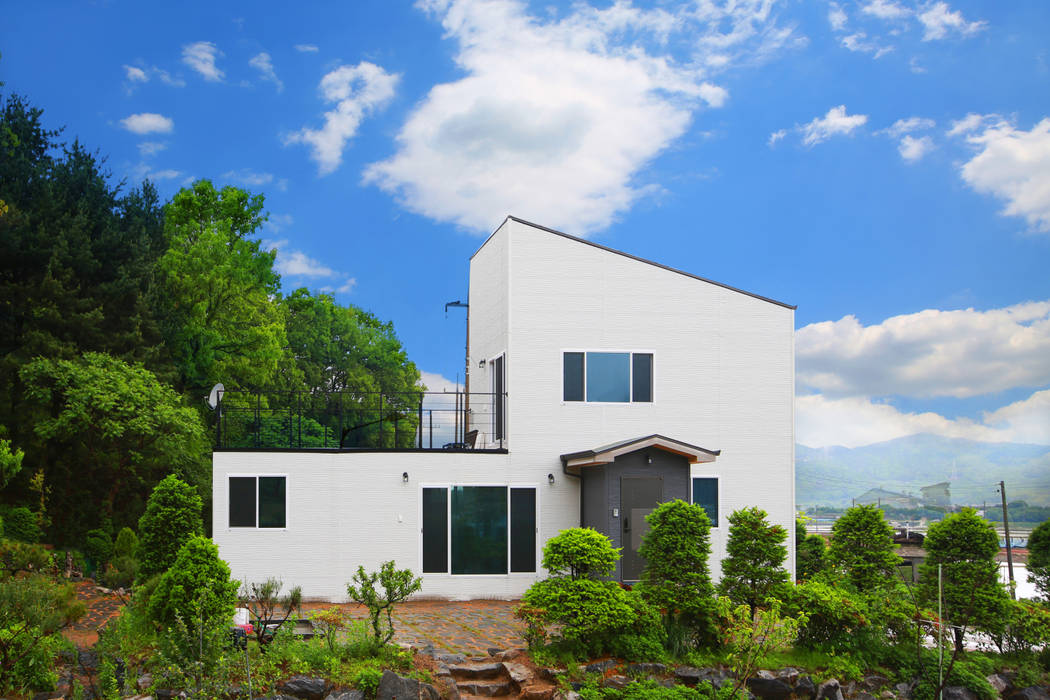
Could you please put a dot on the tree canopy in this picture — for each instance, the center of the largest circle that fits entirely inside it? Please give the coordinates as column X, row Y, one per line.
column 862, row 548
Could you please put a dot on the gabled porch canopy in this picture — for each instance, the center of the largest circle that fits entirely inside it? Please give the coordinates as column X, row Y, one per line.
column 575, row 461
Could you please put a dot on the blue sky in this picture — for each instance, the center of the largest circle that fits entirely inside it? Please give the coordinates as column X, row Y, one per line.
column 884, row 165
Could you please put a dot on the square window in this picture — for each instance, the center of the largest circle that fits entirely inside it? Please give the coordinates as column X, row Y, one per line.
column 258, row 501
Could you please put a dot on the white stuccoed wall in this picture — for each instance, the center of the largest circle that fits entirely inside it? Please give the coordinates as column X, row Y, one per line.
column 723, row 380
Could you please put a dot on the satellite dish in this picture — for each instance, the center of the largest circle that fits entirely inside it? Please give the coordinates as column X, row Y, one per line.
column 215, row 397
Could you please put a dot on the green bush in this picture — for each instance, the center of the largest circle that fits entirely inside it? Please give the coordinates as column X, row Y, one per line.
column 965, row 672
column 33, row 610
column 753, row 569
column 172, row 517
column 592, row 613
column 580, row 552
column 196, row 588
column 367, row 680
column 32, row 659
column 676, row 579
column 16, row 557
column 1, row 528
column 1039, row 558
column 98, row 546
column 126, row 544
column 835, row 617
column 120, row 572
column 21, row 524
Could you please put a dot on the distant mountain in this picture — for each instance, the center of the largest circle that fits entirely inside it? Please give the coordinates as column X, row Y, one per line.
column 835, row 475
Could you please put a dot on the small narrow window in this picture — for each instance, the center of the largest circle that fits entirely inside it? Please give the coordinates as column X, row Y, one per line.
column 435, row 531
column 523, row 530
column 642, row 377
column 271, row 501
column 705, row 494
column 499, row 403
column 572, row 374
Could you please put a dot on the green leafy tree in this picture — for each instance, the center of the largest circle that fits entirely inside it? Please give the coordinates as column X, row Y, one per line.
column 397, row 585
column 114, row 430
column 964, row 545
column 862, row 548
column 749, row 635
column 126, row 544
column 676, row 578
column 1039, row 558
column 753, row 569
column 810, row 553
column 579, row 553
column 172, row 517
column 77, row 258
column 10, row 461
column 217, row 287
column 196, row 590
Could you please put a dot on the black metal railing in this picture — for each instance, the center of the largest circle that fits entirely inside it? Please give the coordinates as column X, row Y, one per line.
column 361, row 420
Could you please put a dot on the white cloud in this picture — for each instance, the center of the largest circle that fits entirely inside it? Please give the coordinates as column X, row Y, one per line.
column 776, row 136
column 262, row 63
column 297, row 264
column 201, row 57
column 357, row 91
column 835, row 123
column 347, row 286
column 856, row 421
column 938, row 20
column 135, row 75
column 306, row 48
column 555, row 118
column 1012, row 164
column 837, row 17
column 885, row 9
column 928, row 354
column 913, row 149
column 907, row 126
column 436, row 382
column 151, row 148
column 276, row 223
column 164, row 174
column 858, row 42
column 148, row 123
column 248, row 177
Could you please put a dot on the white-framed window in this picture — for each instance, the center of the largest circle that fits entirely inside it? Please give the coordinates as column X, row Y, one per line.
column 607, row 377
column 478, row 529
column 258, row 501
column 705, row 494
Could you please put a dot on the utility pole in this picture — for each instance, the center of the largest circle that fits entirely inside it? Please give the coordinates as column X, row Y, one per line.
column 1009, row 549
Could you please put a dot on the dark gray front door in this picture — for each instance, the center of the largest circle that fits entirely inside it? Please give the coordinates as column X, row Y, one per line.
column 639, row 496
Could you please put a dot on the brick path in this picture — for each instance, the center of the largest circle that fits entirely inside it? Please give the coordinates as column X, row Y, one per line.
column 464, row 627
column 467, row 627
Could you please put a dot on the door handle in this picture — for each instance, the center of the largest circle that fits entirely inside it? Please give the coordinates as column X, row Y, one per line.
column 626, row 524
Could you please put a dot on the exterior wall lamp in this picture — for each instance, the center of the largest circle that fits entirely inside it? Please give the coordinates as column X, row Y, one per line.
column 404, row 477
column 481, row 363
column 550, row 479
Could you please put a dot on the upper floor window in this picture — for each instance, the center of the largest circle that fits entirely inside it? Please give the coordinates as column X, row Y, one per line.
column 611, row 377
column 257, row 501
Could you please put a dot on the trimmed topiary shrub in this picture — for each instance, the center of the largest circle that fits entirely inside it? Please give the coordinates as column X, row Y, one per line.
column 172, row 517
column 20, row 524
column 580, row 552
column 862, row 548
column 196, row 587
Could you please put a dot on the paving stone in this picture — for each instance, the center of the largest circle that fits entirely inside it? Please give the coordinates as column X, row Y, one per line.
column 476, row 670
column 485, row 688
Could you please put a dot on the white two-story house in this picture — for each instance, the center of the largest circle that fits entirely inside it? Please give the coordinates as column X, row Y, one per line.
column 600, row 384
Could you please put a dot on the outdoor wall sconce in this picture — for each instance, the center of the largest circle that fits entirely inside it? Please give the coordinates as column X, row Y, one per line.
column 404, row 477
column 648, row 459
column 550, row 479
column 481, row 364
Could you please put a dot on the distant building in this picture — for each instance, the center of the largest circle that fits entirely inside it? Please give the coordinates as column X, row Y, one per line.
column 887, row 498
column 937, row 495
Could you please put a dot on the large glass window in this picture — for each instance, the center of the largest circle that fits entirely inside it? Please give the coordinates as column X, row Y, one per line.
column 607, row 377
column 258, row 501
column 705, row 494
column 479, row 529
